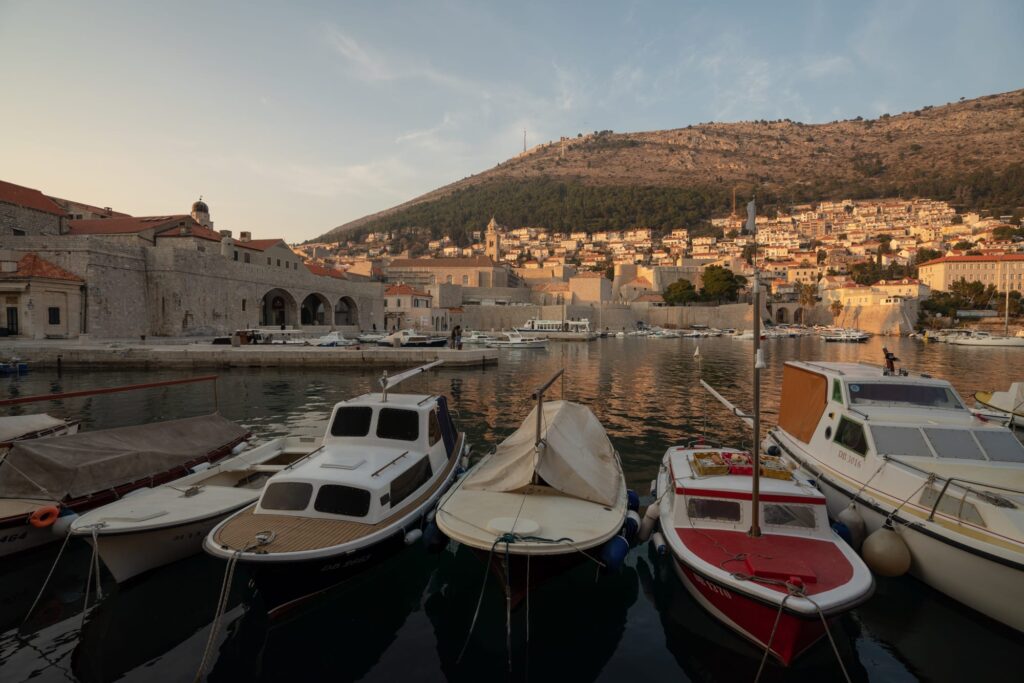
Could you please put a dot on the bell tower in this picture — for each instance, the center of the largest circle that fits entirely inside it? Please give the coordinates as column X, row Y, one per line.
column 492, row 241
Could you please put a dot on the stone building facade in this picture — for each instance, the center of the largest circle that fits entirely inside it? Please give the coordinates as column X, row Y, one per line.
column 39, row 299
column 25, row 211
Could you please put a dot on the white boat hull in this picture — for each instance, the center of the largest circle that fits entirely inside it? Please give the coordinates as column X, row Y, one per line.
column 988, row 341
column 14, row 540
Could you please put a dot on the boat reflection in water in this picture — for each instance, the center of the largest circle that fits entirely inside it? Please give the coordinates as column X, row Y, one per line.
column 709, row 651
column 567, row 630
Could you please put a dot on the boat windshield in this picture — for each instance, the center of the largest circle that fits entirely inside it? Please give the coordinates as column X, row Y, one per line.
column 893, row 394
column 352, row 421
column 801, row 516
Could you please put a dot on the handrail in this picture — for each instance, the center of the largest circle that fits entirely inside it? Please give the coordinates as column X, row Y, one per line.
column 106, row 390
column 390, row 464
column 544, row 387
column 982, row 484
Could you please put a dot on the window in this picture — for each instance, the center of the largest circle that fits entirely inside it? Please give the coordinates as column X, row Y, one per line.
column 465, row 279
column 395, row 423
column 408, row 482
column 433, row 428
column 335, row 499
column 17, row 232
column 278, row 263
column 236, row 255
column 53, row 314
column 268, row 260
column 287, row 496
column 352, row 421
column 243, row 305
column 837, row 391
column 448, row 279
column 1000, row 445
column 851, row 435
column 800, row 516
column 953, row 443
column 248, row 257
column 900, row 441
column 879, row 394
column 709, row 508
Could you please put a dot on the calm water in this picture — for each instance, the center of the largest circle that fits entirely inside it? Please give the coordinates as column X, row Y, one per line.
column 409, row 618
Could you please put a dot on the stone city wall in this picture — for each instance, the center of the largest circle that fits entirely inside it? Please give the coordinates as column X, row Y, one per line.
column 31, row 221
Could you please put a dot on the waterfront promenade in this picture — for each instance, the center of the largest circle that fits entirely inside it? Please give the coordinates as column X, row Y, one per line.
column 182, row 353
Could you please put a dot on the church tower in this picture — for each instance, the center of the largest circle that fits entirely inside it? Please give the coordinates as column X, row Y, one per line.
column 492, row 241
column 201, row 213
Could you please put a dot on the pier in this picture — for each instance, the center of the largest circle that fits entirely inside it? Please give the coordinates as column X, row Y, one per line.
column 199, row 355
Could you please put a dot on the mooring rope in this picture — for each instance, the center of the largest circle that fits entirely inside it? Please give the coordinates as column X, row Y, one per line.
column 53, row 567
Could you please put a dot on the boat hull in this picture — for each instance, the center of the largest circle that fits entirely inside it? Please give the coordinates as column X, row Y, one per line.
column 993, row 588
column 522, row 574
column 752, row 619
column 19, row 536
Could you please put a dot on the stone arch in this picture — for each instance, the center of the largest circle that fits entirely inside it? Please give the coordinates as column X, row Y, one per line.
column 780, row 315
column 798, row 316
column 314, row 310
column 346, row 312
column 278, row 307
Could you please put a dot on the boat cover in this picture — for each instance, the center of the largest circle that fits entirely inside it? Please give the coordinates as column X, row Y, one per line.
column 575, row 456
column 1011, row 400
column 17, row 426
column 80, row 464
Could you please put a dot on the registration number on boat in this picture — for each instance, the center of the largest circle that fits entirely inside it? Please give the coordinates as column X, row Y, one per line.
column 714, row 588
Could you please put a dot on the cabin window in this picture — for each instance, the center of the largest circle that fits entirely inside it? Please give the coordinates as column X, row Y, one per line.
column 851, row 435
column 1000, row 445
column 837, row 391
column 917, row 395
column 349, row 501
column 434, row 428
column 900, row 441
column 287, row 496
column 800, row 516
column 710, row 508
column 953, row 443
column 408, row 482
column 352, row 421
column 394, row 423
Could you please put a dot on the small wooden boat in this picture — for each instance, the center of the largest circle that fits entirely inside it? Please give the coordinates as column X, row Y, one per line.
column 362, row 496
column 157, row 526
column 553, row 492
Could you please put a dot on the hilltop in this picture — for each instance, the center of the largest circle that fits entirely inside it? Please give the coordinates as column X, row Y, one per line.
column 967, row 152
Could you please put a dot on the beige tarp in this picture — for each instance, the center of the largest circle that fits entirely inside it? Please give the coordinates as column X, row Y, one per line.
column 575, row 457
column 79, row 464
column 1012, row 400
column 17, row 426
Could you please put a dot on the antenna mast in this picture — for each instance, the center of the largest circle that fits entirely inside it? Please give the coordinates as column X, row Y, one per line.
column 524, row 139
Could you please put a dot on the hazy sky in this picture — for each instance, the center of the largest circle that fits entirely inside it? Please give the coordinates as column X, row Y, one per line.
column 293, row 117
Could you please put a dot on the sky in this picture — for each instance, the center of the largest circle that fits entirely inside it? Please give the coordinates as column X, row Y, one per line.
column 293, row 117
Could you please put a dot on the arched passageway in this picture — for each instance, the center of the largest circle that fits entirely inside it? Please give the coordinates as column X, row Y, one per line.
column 798, row 316
column 780, row 315
column 277, row 307
column 314, row 310
column 346, row 312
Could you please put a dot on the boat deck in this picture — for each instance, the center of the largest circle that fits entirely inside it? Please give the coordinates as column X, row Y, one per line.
column 293, row 533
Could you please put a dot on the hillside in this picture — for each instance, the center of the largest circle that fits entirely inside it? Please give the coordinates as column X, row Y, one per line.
column 969, row 152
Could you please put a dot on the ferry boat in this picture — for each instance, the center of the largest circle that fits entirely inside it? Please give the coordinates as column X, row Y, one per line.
column 360, row 497
column 566, row 330
column 902, row 458
column 775, row 588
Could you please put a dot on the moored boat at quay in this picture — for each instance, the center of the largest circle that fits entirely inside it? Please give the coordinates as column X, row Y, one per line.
column 565, row 330
column 926, row 484
column 363, row 495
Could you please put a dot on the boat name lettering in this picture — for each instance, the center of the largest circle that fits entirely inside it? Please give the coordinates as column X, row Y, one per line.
column 190, row 535
column 713, row 587
column 850, row 458
column 10, row 538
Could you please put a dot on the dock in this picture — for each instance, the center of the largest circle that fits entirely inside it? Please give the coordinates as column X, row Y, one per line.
column 162, row 356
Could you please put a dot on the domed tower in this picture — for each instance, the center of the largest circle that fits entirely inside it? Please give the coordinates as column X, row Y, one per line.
column 492, row 241
column 201, row 213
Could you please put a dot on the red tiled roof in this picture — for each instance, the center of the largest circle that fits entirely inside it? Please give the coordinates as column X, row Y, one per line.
column 317, row 269
column 28, row 198
column 31, row 265
column 395, row 290
column 480, row 261
column 968, row 259
column 262, row 245
column 649, row 298
column 125, row 226
column 194, row 230
column 640, row 282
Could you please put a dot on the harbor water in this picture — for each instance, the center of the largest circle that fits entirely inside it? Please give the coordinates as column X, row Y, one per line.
column 409, row 619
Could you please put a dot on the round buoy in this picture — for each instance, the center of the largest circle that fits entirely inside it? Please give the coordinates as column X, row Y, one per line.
column 886, row 553
column 44, row 516
column 649, row 521
column 659, row 543
column 632, row 500
column 850, row 516
column 613, row 553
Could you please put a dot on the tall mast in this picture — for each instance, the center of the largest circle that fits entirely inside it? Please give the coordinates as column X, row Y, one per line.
column 755, row 512
column 1006, row 312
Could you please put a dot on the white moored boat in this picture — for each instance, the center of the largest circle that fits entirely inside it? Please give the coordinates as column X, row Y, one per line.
column 552, row 491
column 514, row 340
column 846, row 336
column 796, row 571
column 362, row 496
column 477, row 337
column 1009, row 403
column 890, row 449
column 566, row 330
column 157, row 526
column 333, row 339
column 980, row 338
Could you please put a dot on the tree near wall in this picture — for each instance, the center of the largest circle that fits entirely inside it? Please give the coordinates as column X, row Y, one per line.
column 679, row 292
column 721, row 284
column 836, row 309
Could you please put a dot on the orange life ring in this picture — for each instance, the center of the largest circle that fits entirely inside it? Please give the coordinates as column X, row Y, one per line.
column 44, row 517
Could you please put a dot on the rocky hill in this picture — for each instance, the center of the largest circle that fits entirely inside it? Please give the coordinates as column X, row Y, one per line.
column 969, row 152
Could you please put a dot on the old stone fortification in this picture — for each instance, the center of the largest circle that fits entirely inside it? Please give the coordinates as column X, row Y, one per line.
column 135, row 290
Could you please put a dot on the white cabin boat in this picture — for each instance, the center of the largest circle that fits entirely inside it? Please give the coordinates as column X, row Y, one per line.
column 333, row 339
column 907, row 451
column 154, row 527
column 477, row 337
column 514, row 340
column 981, row 338
column 847, row 336
column 566, row 330
column 362, row 496
column 412, row 339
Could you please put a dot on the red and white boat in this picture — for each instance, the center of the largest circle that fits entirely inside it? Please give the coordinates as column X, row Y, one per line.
column 798, row 572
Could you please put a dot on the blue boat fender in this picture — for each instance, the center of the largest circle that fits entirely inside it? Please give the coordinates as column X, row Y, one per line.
column 613, row 553
column 632, row 500
column 632, row 525
column 843, row 532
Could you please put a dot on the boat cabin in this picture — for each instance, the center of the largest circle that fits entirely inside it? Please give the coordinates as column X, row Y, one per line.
column 377, row 456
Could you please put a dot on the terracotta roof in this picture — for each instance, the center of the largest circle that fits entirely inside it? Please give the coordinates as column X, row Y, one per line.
column 640, row 282
column 649, row 299
column 589, row 274
column 317, row 269
column 125, row 226
column 262, row 245
column 31, row 265
column 28, row 198
column 479, row 261
column 194, row 230
column 551, row 287
column 395, row 290
column 970, row 259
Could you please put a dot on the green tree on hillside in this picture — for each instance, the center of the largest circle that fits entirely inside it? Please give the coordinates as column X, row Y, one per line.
column 681, row 291
column 721, row 284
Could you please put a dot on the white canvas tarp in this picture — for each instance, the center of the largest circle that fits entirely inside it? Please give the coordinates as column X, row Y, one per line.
column 80, row 464
column 17, row 426
column 575, row 456
column 1012, row 400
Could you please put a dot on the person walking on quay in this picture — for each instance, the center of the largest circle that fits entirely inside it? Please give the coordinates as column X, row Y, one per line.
column 451, row 339
column 458, row 337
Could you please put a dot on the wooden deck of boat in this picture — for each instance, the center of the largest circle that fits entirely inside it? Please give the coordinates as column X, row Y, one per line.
column 296, row 534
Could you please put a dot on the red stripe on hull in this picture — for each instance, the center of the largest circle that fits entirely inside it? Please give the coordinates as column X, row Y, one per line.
column 753, row 619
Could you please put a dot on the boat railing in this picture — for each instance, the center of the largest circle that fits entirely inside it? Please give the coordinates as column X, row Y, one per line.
column 963, row 484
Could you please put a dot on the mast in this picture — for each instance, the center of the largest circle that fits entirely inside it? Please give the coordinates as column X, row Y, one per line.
column 755, row 506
